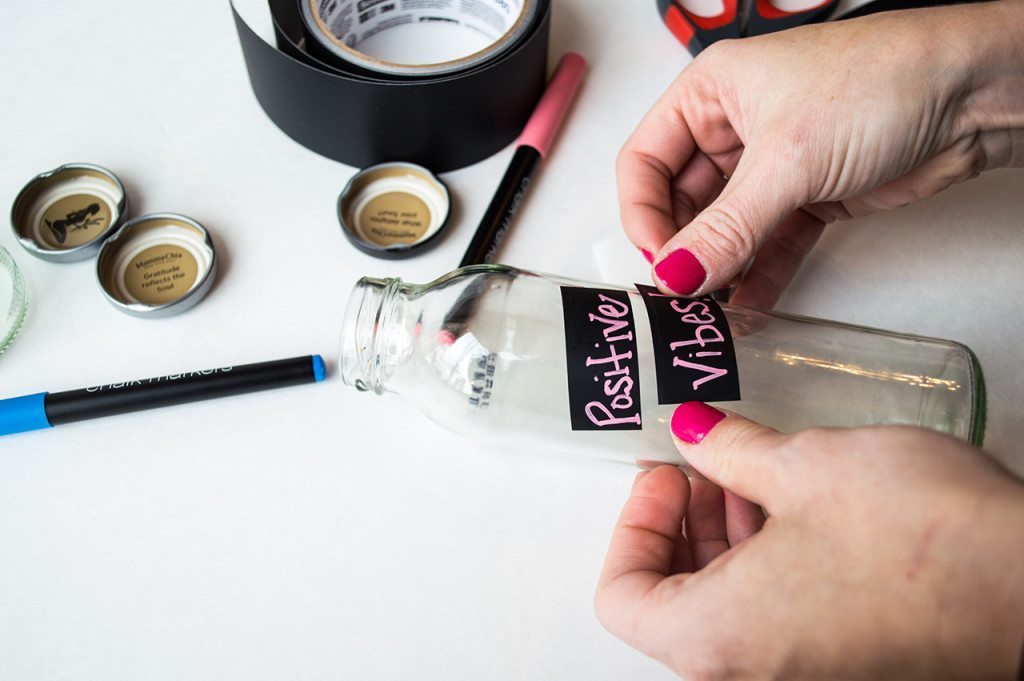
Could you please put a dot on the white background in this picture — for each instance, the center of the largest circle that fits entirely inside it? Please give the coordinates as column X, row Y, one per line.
column 317, row 532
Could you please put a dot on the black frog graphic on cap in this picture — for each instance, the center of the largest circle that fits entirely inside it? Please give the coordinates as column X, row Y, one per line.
column 75, row 220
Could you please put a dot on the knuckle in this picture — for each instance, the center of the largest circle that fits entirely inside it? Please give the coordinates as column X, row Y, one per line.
column 625, row 168
column 969, row 158
column 770, row 289
column 621, row 159
column 630, row 160
column 812, row 440
column 671, row 591
column 712, row 659
column 603, row 609
column 727, row 236
column 618, row 621
column 741, row 436
column 971, row 165
column 725, row 462
column 717, row 52
column 788, row 248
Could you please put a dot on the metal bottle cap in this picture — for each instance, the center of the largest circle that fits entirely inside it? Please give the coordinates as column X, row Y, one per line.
column 157, row 265
column 394, row 210
column 63, row 215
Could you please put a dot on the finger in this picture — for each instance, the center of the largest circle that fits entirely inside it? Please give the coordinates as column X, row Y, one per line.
column 742, row 518
column 778, row 260
column 642, row 548
column 682, row 561
column 649, row 526
column 705, row 521
column 697, row 185
column 690, row 191
column 720, row 240
column 657, row 151
column 737, row 454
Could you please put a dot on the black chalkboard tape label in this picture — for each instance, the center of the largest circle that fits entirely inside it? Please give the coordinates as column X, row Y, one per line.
column 694, row 357
column 602, row 359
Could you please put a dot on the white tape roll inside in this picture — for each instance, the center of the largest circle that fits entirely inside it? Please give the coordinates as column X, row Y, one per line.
column 416, row 37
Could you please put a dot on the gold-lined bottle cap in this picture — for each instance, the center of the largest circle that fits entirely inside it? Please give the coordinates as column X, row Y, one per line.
column 394, row 210
column 157, row 265
column 64, row 215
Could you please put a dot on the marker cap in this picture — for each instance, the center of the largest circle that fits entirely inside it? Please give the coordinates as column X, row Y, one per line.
column 543, row 125
column 20, row 414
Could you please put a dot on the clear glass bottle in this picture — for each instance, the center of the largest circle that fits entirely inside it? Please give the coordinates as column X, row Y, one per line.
column 13, row 300
column 484, row 351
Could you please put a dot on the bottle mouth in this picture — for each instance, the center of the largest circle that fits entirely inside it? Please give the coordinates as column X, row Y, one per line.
column 359, row 362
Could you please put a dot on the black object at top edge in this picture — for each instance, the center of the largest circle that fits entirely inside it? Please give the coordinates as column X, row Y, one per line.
column 890, row 5
column 444, row 122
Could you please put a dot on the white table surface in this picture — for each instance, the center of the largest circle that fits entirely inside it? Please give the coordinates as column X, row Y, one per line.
column 317, row 532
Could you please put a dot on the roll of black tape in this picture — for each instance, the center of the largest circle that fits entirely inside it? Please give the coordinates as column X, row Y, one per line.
column 360, row 118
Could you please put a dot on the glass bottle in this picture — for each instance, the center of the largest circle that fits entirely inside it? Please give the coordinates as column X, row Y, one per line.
column 484, row 351
column 13, row 300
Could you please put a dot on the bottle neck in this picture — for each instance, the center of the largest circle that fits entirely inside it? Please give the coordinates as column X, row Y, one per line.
column 377, row 333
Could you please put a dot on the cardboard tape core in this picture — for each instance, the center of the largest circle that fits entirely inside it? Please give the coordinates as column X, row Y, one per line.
column 416, row 37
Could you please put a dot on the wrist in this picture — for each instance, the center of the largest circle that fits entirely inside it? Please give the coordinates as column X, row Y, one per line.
column 987, row 42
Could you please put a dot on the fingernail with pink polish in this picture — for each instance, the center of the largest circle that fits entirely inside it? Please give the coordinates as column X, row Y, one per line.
column 648, row 255
column 681, row 272
column 692, row 421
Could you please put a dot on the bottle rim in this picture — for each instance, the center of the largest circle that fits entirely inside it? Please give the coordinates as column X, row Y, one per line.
column 365, row 315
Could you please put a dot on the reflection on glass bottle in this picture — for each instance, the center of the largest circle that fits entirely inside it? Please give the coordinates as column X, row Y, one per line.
column 551, row 364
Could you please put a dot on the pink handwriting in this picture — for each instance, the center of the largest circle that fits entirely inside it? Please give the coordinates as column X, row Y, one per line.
column 705, row 334
column 618, row 383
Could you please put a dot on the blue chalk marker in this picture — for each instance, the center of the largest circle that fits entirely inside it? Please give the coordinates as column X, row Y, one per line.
column 44, row 410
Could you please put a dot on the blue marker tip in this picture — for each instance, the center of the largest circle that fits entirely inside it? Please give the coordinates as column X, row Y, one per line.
column 19, row 414
column 319, row 368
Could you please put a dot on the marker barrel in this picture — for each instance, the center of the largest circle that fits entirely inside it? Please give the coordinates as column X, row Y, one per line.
column 33, row 412
column 498, row 217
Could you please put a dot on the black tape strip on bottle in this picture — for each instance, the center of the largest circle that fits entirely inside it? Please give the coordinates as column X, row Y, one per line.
column 360, row 116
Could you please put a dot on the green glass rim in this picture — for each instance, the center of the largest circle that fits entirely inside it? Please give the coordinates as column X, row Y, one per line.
column 979, row 408
column 13, row 311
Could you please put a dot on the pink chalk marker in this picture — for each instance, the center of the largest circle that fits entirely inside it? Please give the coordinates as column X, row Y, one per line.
column 532, row 146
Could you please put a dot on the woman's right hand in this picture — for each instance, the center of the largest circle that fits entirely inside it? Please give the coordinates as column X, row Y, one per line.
column 824, row 122
column 888, row 553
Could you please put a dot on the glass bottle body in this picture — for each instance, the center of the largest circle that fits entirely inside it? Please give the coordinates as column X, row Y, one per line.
column 483, row 351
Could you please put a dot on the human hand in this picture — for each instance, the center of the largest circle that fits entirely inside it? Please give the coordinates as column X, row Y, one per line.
column 824, row 122
column 888, row 553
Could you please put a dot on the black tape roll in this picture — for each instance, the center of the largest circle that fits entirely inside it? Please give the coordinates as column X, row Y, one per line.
column 443, row 122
